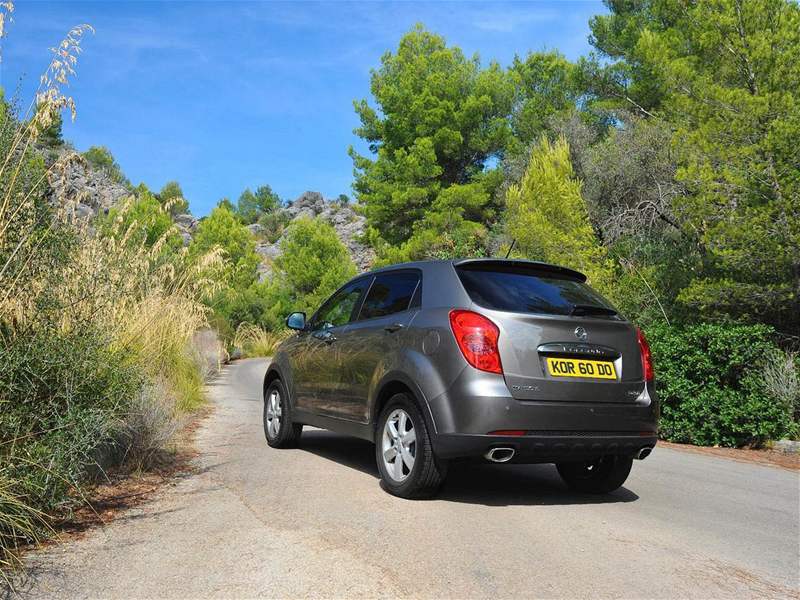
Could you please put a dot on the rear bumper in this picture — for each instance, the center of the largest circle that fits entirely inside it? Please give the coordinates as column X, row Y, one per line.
column 545, row 447
column 464, row 416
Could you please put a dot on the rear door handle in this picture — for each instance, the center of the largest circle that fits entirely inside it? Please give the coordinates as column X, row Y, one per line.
column 394, row 327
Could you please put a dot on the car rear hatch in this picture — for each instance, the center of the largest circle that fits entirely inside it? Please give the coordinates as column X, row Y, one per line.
column 559, row 339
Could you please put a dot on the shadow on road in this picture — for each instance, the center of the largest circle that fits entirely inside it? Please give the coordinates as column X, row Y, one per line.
column 472, row 483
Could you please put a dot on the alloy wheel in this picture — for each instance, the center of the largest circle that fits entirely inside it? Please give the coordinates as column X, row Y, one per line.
column 399, row 445
column 273, row 414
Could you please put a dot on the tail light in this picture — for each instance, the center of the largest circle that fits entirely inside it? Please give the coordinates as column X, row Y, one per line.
column 477, row 338
column 647, row 358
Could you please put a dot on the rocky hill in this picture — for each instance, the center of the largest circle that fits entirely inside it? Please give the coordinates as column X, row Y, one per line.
column 90, row 191
column 87, row 191
column 349, row 226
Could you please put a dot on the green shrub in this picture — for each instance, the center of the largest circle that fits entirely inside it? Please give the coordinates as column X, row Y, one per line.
column 101, row 159
column 61, row 395
column 312, row 264
column 273, row 224
column 710, row 384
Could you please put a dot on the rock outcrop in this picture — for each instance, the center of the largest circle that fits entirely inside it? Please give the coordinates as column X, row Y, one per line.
column 349, row 226
column 90, row 191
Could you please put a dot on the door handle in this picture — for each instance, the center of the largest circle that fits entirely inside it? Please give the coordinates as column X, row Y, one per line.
column 394, row 327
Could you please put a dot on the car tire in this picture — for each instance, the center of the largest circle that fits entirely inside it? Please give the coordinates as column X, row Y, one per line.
column 598, row 476
column 427, row 471
column 279, row 429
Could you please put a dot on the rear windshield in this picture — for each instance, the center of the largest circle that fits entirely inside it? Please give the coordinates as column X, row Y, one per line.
column 518, row 290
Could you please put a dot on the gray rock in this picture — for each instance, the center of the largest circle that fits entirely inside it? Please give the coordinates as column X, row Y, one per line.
column 82, row 211
column 308, row 204
column 185, row 221
column 255, row 228
column 268, row 251
column 787, row 446
column 73, row 180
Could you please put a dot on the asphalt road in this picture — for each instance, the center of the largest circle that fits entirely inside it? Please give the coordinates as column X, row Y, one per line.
column 315, row 522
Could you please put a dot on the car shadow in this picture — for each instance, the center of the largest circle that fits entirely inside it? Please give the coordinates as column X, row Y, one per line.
column 468, row 482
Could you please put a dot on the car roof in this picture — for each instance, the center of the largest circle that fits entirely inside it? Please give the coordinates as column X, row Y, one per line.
column 486, row 263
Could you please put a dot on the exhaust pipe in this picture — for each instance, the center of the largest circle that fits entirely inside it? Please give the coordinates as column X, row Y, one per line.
column 644, row 453
column 500, row 455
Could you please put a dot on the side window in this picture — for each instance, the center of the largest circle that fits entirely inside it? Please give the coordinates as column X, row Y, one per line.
column 391, row 293
column 337, row 310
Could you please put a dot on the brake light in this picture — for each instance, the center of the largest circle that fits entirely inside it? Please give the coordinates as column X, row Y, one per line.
column 647, row 358
column 476, row 336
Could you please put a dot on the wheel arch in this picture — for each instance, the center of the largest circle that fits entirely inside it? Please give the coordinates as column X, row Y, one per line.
column 273, row 373
column 396, row 383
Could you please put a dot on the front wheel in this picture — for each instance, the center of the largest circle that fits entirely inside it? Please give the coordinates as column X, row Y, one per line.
column 404, row 452
column 598, row 476
column 279, row 429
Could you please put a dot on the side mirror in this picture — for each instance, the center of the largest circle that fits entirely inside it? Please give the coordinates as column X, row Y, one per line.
column 296, row 321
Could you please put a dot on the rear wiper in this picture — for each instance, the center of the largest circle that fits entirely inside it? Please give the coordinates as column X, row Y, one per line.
column 591, row 309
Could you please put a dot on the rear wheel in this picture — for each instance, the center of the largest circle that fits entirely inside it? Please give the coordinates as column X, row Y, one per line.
column 598, row 476
column 404, row 452
column 279, row 429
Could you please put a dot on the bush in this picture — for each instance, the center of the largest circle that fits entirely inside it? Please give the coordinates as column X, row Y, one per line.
column 148, row 426
column 711, row 386
column 101, row 159
column 61, row 396
column 273, row 224
column 312, row 264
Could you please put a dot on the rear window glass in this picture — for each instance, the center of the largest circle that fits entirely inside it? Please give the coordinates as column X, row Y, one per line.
column 390, row 293
column 517, row 290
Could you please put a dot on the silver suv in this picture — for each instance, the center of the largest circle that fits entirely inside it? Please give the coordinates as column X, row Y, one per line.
column 495, row 360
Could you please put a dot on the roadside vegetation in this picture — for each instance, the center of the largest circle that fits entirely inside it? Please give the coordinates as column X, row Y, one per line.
column 663, row 165
column 98, row 322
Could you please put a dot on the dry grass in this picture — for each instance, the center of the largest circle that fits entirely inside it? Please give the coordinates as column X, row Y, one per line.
column 58, row 275
column 255, row 341
column 19, row 525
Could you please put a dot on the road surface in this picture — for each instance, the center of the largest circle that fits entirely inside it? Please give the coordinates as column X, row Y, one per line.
column 315, row 522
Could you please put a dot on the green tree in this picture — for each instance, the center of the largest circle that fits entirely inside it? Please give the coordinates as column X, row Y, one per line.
column 725, row 75
column 312, row 264
column 439, row 118
column 252, row 205
column 172, row 198
column 223, row 230
column 227, row 204
column 547, row 85
column 547, row 217
column 101, row 159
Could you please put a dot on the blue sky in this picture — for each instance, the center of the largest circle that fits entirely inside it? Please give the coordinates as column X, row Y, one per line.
column 221, row 95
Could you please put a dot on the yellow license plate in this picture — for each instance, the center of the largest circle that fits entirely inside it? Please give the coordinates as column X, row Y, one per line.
column 579, row 367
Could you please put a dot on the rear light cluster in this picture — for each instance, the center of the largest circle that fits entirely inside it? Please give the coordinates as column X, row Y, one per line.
column 647, row 358
column 476, row 336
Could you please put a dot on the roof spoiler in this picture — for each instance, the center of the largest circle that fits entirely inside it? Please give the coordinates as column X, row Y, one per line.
column 520, row 265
